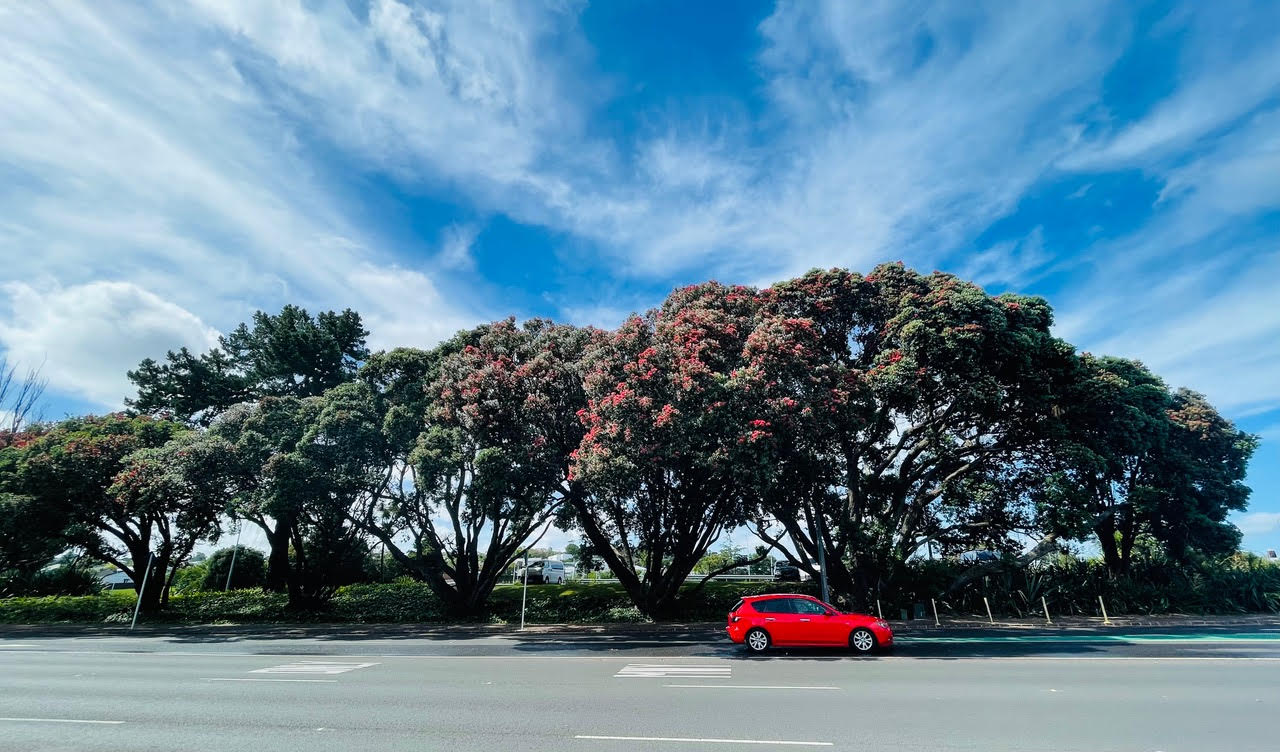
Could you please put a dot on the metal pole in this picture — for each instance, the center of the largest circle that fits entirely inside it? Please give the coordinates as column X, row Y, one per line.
column 151, row 555
column 936, row 623
column 234, row 551
column 988, row 604
column 822, row 562
column 1105, row 619
column 1046, row 610
column 878, row 613
column 525, row 592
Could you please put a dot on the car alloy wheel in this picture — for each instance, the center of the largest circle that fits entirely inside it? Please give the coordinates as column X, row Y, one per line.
column 757, row 640
column 862, row 640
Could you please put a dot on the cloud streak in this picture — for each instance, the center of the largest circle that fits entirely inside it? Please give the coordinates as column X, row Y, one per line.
column 209, row 154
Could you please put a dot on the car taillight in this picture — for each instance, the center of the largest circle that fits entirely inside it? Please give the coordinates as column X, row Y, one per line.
column 734, row 618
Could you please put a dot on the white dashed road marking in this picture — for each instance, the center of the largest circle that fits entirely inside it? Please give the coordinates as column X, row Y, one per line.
column 696, row 740
column 308, row 681
column 60, row 720
column 673, row 671
column 746, row 686
column 312, row 667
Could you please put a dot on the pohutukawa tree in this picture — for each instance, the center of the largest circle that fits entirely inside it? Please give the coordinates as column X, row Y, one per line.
column 292, row 475
column 476, row 456
column 881, row 393
column 119, row 481
column 1139, row 460
column 673, row 442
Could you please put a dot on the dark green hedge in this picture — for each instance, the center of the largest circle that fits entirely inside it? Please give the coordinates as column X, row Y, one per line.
column 1241, row 584
column 398, row 602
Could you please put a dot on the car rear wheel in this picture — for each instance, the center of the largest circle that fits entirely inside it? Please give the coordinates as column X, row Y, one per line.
column 757, row 641
column 862, row 640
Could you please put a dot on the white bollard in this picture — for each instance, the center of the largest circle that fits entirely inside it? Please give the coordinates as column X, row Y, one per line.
column 1047, row 620
column 988, row 605
column 936, row 623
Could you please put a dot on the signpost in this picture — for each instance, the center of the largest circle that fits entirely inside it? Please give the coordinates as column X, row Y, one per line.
column 234, row 551
column 151, row 556
column 822, row 562
column 525, row 592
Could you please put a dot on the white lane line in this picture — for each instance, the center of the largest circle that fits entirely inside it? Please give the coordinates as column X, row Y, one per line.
column 673, row 670
column 696, row 740
column 6, row 645
column 60, row 720
column 313, row 667
column 311, row 681
column 1235, row 659
column 740, row 686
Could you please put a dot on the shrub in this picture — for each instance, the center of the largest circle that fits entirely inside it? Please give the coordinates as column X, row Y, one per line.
column 190, row 579
column 250, row 569
column 403, row 601
column 67, row 579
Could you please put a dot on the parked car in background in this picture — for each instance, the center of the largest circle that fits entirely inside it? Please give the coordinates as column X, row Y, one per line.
column 789, row 620
column 542, row 572
column 116, row 580
column 788, row 572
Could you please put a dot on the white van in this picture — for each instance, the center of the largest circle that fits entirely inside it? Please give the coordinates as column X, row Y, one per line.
column 542, row 572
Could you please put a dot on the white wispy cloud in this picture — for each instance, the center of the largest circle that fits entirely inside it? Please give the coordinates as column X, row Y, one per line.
column 151, row 187
column 182, row 149
column 455, row 246
column 1259, row 523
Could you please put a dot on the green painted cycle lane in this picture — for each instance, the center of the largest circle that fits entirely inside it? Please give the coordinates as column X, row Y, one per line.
column 1127, row 638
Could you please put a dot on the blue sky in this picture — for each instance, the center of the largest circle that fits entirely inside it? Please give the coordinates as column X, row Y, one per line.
column 167, row 170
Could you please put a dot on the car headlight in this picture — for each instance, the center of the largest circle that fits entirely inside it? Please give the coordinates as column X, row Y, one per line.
column 882, row 623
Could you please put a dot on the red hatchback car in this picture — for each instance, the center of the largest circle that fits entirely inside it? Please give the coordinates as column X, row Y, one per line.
column 790, row 620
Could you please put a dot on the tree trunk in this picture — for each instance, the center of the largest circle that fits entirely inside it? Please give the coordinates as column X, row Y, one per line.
column 278, row 558
column 1106, row 532
column 150, row 598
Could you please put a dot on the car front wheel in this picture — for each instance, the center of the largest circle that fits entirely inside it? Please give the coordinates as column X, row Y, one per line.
column 757, row 641
column 861, row 640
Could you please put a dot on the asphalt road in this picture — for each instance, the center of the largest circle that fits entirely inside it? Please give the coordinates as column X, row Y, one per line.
column 389, row 688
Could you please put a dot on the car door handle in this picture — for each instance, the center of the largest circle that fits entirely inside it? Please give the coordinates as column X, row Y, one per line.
column 770, row 618
column 804, row 620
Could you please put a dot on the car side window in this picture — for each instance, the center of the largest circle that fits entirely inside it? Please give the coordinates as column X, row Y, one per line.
column 807, row 607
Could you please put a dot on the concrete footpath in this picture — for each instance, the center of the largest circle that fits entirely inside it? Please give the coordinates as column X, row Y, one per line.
column 1064, row 628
